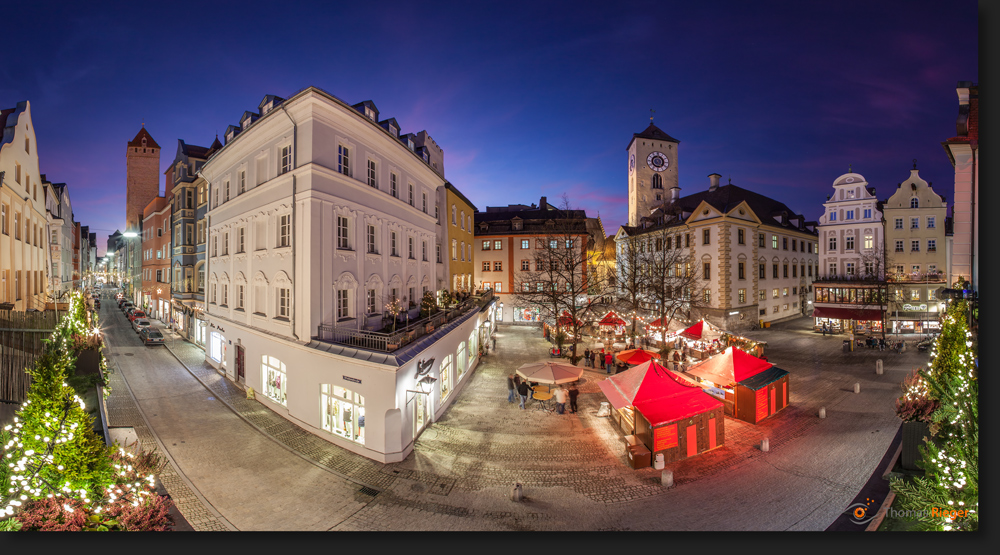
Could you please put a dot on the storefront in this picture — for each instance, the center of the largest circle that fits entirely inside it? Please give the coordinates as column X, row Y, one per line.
column 866, row 321
column 526, row 315
column 914, row 321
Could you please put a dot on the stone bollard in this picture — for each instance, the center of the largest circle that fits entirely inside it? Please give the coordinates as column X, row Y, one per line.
column 878, row 367
column 765, row 445
column 822, row 412
column 667, row 478
column 516, row 493
column 658, row 462
column 857, row 388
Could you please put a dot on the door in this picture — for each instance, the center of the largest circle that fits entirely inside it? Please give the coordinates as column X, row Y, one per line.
column 692, row 441
column 240, row 363
column 419, row 413
column 770, row 392
column 711, row 433
column 784, row 392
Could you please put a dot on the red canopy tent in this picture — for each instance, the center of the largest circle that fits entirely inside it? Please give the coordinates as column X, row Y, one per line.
column 566, row 319
column 670, row 416
column 702, row 330
column 753, row 388
column 611, row 319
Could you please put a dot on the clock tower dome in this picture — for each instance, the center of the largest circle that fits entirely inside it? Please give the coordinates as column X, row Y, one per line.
column 652, row 171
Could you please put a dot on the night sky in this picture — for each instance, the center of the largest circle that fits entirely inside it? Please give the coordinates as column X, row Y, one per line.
column 526, row 99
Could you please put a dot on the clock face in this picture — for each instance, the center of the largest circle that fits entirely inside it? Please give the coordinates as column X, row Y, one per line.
column 657, row 161
column 631, row 163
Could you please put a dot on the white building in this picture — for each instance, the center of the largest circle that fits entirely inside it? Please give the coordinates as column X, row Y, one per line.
column 23, row 259
column 963, row 151
column 314, row 227
column 852, row 269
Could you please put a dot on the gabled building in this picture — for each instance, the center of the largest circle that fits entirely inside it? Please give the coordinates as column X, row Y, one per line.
column 142, row 178
column 457, row 229
column 156, row 260
column 59, row 240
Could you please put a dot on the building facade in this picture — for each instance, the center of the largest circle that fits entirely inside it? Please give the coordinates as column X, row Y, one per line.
column 156, row 257
column 23, row 254
column 59, row 214
column 458, row 238
column 303, row 263
column 652, row 170
column 142, row 179
column 963, row 151
column 916, row 257
column 851, row 294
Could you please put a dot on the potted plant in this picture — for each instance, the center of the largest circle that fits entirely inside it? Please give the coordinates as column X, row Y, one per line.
column 914, row 408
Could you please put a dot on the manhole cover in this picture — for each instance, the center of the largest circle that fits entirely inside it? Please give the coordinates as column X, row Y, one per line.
column 130, row 354
column 368, row 491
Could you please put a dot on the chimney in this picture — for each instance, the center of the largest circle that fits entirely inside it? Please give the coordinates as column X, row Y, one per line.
column 543, row 205
column 714, row 180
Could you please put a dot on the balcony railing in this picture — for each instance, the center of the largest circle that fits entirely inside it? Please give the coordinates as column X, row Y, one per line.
column 869, row 278
column 916, row 277
column 388, row 342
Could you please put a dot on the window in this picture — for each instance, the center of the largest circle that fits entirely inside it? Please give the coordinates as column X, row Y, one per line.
column 869, row 241
column 761, row 240
column 17, row 226
column 17, row 173
column 343, row 412
column 849, row 242
column 784, row 243
column 930, row 222
column 454, row 249
column 810, row 270
column 914, row 294
column 497, row 287
column 850, row 215
column 225, row 294
column 275, row 379
column 915, row 223
column 795, row 271
column 371, row 240
column 284, row 302
column 833, row 244
column 553, row 244
column 775, row 309
column 657, row 181
column 409, row 241
column 914, row 246
column 569, row 243
column 371, row 174
column 899, row 223
column 225, row 243
column 741, row 271
column 284, row 230
column 286, row 159
column 774, row 270
column 486, row 245
column 437, row 248
column 344, row 160
column 705, row 235
column 793, row 245
column 740, row 236
column 525, row 243
column 899, row 245
column 774, row 293
column 687, row 240
column 498, row 245
column 393, row 185
column 342, row 233
column 708, row 296
column 498, row 266
column 762, row 294
column 525, row 265
column 3, row 223
column 914, row 203
column 240, row 290
column 774, row 242
column 931, row 294
column 242, row 187
column 761, row 271
column 706, row 273
column 214, row 290
column 784, row 270
column 931, row 245
column 850, row 268
column 425, row 204
column 869, row 268
column 342, row 304
column 486, row 266
column 392, row 244
column 423, row 251
column 411, row 194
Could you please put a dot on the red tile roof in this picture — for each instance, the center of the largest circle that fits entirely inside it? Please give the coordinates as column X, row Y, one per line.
column 137, row 141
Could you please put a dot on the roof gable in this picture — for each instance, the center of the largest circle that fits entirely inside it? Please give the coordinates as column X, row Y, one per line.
column 143, row 134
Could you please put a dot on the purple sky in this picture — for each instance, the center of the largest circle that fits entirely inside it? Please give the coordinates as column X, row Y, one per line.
column 526, row 99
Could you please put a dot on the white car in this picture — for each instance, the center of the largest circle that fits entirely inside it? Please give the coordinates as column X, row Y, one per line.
column 139, row 323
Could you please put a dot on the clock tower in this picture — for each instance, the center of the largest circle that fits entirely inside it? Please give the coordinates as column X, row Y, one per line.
column 652, row 171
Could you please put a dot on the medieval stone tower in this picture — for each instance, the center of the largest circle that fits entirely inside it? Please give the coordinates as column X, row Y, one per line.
column 652, row 171
column 142, row 177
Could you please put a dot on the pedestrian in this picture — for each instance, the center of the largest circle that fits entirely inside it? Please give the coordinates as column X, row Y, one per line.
column 600, row 359
column 593, row 355
column 607, row 361
column 494, row 342
column 573, row 394
column 561, row 396
column 522, row 391
column 586, row 357
column 510, row 388
column 823, row 328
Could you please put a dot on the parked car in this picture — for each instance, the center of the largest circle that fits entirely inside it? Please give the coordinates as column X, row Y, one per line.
column 139, row 323
column 97, row 303
column 151, row 336
column 126, row 307
column 926, row 343
column 136, row 314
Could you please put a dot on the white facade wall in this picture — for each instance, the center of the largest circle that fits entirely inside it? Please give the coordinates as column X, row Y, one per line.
column 850, row 193
column 313, row 267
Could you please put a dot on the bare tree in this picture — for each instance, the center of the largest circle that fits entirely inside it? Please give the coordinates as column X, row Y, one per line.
column 630, row 286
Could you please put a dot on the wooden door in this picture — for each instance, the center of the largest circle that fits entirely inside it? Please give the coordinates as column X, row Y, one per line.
column 770, row 393
column 692, row 441
column 711, row 433
column 240, row 363
column 784, row 392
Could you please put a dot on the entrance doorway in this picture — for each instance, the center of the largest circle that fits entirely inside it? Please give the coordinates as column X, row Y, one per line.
column 419, row 414
column 240, row 364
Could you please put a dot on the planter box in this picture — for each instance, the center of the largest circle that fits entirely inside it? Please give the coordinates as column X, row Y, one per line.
column 913, row 437
column 88, row 362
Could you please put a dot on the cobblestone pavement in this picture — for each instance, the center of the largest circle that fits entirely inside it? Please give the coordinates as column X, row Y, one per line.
column 573, row 467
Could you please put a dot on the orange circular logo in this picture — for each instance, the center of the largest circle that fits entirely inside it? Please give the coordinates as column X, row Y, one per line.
column 860, row 512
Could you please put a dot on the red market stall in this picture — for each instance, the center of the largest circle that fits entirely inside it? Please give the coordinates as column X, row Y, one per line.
column 660, row 412
column 753, row 389
column 612, row 323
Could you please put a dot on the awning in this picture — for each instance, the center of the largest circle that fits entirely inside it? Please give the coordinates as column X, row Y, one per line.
column 866, row 314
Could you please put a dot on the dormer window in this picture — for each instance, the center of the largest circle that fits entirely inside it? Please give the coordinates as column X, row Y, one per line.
column 393, row 131
column 229, row 136
column 267, row 108
column 370, row 113
column 517, row 224
column 409, row 143
column 246, row 123
column 425, row 156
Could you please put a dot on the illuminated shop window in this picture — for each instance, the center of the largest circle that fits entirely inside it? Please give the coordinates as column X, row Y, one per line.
column 275, row 379
column 343, row 412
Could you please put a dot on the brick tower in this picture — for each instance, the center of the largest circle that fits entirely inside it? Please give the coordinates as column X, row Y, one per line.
column 142, row 177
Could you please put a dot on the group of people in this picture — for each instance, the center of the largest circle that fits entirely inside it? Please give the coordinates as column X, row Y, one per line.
column 524, row 389
column 602, row 358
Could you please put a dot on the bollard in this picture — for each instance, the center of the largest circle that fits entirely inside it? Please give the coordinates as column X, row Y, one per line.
column 822, row 412
column 516, row 492
column 658, row 463
column 857, row 388
column 878, row 367
column 667, row 478
column 765, row 445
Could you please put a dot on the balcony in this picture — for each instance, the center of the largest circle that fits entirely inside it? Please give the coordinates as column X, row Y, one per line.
column 915, row 277
column 388, row 342
column 852, row 278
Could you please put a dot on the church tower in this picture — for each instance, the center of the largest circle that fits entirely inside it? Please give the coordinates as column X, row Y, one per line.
column 142, row 177
column 652, row 171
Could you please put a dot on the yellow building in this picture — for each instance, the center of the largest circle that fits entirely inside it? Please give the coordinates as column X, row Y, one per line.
column 458, row 235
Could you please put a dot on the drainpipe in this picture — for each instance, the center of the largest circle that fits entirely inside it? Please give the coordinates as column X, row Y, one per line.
column 295, row 246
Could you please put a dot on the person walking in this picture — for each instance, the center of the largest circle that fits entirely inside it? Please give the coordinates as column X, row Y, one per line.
column 561, row 396
column 494, row 342
column 586, row 357
column 593, row 355
column 824, row 330
column 522, row 390
column 573, row 394
column 510, row 388
column 607, row 361
column 600, row 359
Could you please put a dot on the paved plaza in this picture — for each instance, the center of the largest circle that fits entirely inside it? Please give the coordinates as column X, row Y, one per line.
column 235, row 465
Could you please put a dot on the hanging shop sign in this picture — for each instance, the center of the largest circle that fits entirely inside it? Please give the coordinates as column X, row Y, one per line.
column 350, row 379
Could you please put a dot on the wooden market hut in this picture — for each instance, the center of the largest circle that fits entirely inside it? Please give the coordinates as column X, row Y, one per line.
column 612, row 323
column 702, row 331
column 753, row 389
column 662, row 412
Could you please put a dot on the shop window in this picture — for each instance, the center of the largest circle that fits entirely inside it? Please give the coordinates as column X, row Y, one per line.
column 445, row 377
column 275, row 379
column 217, row 347
column 343, row 412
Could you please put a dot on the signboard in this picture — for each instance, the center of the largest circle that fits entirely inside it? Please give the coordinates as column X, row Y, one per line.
column 350, row 379
column 665, row 437
column 762, row 403
column 914, row 307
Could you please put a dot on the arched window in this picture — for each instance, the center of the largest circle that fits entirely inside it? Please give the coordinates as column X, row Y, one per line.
column 275, row 379
column 445, row 377
column 657, row 182
column 914, row 203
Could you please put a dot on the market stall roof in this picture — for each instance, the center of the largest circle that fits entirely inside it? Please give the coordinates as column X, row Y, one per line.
column 702, row 330
column 637, row 356
column 764, row 378
column 611, row 319
column 672, row 326
column 566, row 319
column 657, row 393
column 864, row 314
column 729, row 367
